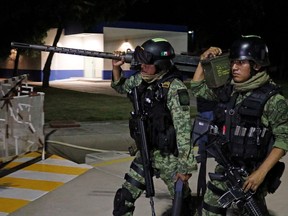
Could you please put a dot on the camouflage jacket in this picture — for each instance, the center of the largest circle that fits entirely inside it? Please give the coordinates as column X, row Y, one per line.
column 275, row 114
column 180, row 114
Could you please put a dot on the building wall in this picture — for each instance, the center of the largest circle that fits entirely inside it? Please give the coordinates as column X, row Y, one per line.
column 67, row 65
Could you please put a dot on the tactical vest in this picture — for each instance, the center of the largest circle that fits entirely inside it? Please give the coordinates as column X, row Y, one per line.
column 160, row 130
column 249, row 140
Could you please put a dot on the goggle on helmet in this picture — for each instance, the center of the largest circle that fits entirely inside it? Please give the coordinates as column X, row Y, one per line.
column 157, row 51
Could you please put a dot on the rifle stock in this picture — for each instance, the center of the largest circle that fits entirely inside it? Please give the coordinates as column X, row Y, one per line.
column 178, row 197
column 184, row 63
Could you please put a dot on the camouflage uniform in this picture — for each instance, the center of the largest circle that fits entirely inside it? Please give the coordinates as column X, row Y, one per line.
column 166, row 166
column 275, row 115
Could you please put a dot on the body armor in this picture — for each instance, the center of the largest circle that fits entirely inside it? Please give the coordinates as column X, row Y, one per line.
column 161, row 134
column 249, row 140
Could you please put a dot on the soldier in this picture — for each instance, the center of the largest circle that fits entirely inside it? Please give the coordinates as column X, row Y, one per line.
column 165, row 99
column 253, row 117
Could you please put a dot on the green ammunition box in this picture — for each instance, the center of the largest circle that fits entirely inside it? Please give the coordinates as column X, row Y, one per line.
column 216, row 70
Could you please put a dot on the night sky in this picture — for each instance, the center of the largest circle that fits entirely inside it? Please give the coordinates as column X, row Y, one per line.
column 218, row 23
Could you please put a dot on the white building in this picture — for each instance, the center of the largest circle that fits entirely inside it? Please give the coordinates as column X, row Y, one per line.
column 118, row 36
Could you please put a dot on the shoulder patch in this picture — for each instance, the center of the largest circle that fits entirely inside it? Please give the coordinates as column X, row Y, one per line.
column 165, row 84
column 184, row 98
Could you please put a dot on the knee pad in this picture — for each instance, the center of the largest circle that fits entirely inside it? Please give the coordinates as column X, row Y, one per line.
column 121, row 196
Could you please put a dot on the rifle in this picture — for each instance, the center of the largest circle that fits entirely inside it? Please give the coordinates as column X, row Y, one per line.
column 184, row 63
column 178, row 197
column 141, row 142
column 234, row 180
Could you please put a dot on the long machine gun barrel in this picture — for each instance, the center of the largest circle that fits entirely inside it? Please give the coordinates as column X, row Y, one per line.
column 184, row 63
column 66, row 50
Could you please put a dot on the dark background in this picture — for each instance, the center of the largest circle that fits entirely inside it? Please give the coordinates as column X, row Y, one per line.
column 214, row 23
column 219, row 23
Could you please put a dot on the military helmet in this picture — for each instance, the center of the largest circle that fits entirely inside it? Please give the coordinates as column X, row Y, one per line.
column 157, row 51
column 252, row 48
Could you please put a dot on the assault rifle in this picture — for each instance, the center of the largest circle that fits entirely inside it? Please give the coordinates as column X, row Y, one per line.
column 184, row 63
column 141, row 142
column 234, row 178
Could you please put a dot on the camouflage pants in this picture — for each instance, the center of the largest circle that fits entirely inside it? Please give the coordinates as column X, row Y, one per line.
column 166, row 168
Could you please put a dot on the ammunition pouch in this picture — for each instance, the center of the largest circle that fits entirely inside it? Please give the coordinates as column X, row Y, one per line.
column 167, row 143
column 273, row 177
column 249, row 145
column 133, row 127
